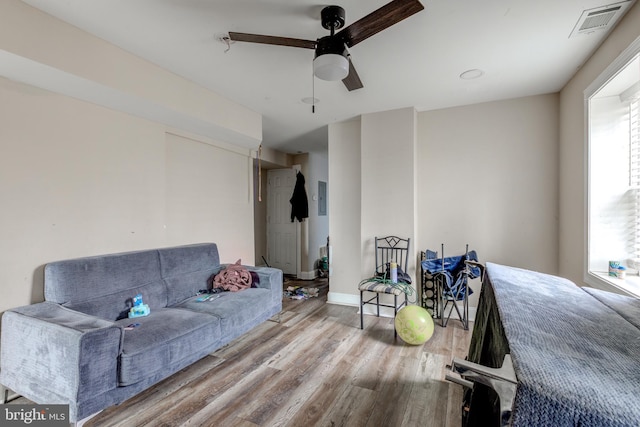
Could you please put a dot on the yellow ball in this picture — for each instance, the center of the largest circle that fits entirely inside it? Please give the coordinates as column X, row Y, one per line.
column 414, row 324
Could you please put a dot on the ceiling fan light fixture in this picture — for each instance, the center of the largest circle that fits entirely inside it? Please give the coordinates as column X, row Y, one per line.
column 331, row 67
column 332, row 60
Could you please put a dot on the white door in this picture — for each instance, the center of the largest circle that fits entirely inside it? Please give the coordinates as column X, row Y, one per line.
column 281, row 232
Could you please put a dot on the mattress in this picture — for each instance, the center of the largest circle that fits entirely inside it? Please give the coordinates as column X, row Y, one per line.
column 575, row 351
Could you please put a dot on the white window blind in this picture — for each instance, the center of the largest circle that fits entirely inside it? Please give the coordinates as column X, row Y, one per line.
column 613, row 172
column 634, row 144
column 634, row 177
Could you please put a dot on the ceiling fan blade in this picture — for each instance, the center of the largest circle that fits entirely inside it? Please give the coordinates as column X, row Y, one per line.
column 280, row 41
column 378, row 20
column 352, row 81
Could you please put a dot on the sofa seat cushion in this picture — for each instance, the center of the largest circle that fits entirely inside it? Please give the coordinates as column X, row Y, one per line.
column 237, row 311
column 164, row 338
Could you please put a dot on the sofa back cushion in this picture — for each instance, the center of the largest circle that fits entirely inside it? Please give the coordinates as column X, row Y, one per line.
column 104, row 285
column 185, row 269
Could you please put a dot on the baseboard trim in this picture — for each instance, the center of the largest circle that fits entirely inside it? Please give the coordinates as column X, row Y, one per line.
column 354, row 301
column 343, row 299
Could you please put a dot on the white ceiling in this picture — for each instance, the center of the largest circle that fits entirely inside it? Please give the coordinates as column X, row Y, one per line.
column 522, row 46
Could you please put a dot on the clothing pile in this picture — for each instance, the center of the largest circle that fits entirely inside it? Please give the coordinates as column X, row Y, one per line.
column 298, row 292
column 234, row 278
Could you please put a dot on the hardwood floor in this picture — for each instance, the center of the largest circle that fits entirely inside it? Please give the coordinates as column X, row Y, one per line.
column 315, row 368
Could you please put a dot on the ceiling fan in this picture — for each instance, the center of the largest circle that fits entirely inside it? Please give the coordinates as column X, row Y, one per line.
column 332, row 60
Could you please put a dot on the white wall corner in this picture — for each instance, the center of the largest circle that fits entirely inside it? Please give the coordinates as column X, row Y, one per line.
column 343, row 299
column 308, row 275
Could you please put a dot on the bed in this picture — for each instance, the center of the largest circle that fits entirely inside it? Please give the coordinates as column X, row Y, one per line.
column 575, row 352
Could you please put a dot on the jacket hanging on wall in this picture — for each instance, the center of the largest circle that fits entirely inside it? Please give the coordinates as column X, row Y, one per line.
column 299, row 202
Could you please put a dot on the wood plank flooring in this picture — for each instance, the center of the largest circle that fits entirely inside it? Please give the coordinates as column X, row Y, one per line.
column 314, row 368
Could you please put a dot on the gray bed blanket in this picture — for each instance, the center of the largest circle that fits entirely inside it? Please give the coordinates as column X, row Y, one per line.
column 627, row 307
column 576, row 353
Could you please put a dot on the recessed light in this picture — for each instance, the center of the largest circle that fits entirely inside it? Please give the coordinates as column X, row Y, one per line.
column 472, row 74
column 309, row 100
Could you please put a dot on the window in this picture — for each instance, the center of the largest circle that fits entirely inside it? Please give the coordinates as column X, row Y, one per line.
column 634, row 174
column 613, row 178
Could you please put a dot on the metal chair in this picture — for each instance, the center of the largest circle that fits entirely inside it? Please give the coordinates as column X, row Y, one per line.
column 450, row 278
column 387, row 249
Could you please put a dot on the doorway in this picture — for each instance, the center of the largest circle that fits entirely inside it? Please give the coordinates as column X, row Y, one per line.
column 282, row 233
column 309, row 236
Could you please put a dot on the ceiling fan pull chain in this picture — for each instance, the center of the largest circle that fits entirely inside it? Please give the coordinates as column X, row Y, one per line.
column 331, row 63
column 260, row 173
column 313, row 92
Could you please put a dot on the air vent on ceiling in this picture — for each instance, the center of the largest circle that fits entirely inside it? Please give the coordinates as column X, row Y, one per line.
column 600, row 18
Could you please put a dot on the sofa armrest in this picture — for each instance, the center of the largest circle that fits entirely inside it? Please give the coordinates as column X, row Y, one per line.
column 270, row 278
column 52, row 354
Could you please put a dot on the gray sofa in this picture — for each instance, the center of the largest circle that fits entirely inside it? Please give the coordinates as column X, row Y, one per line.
column 73, row 348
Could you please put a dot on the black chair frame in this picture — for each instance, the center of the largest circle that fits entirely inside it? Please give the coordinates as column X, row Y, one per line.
column 387, row 249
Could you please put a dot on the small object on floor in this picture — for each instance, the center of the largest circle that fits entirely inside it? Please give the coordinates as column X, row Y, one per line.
column 298, row 292
column 131, row 326
column 414, row 324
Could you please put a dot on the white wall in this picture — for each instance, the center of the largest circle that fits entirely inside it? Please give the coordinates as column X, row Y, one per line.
column 43, row 51
column 387, row 181
column 344, row 209
column 318, row 229
column 487, row 176
column 260, row 213
column 209, row 197
column 484, row 174
column 572, row 244
column 79, row 179
column 371, row 171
